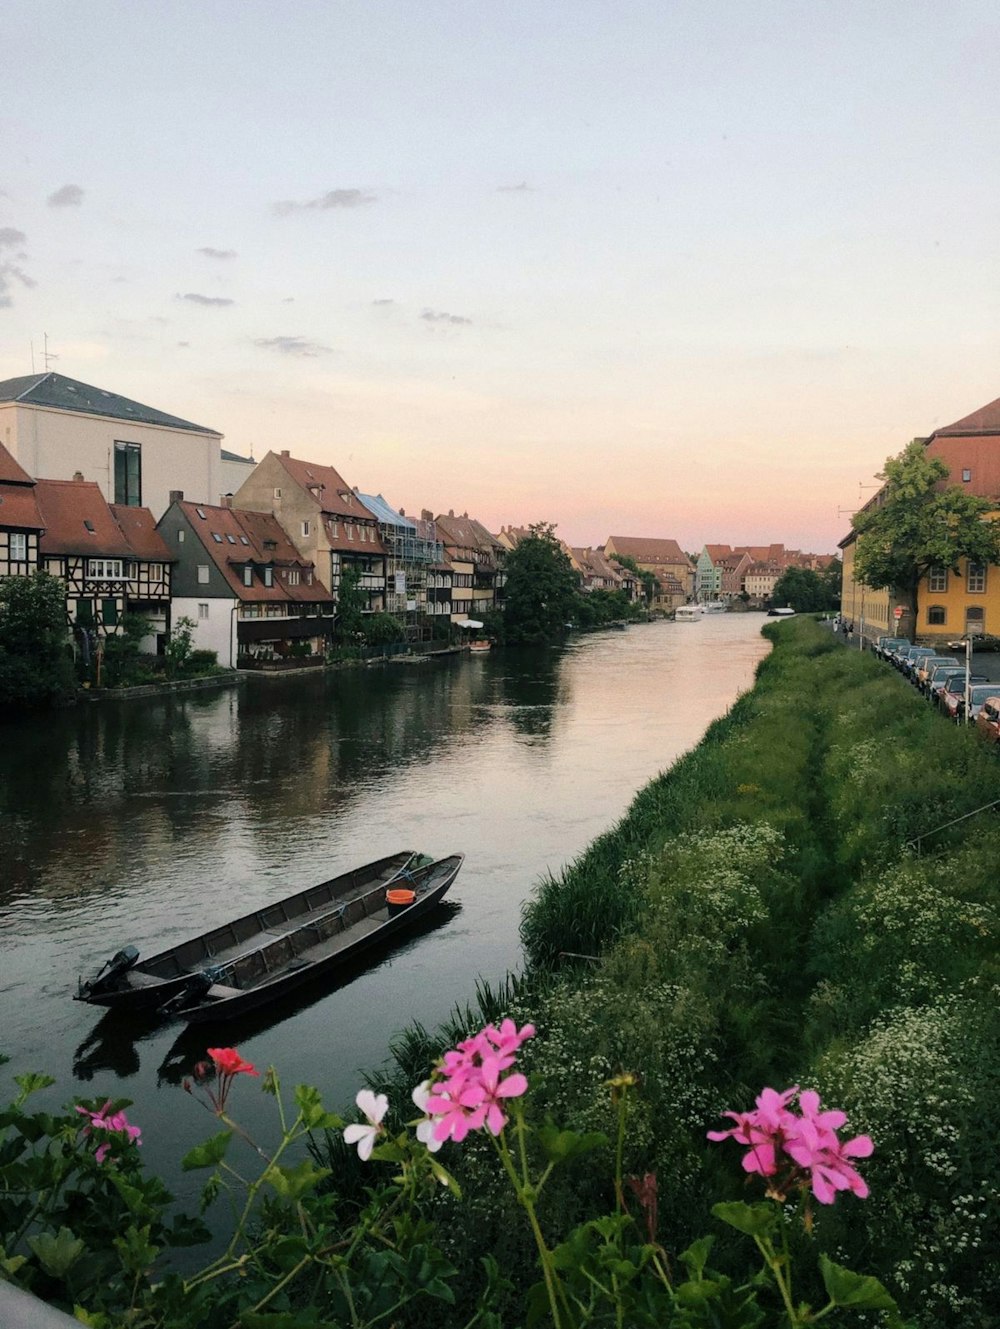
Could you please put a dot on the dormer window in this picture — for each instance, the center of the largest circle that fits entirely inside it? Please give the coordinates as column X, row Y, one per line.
column 248, row 575
column 268, row 575
column 89, row 525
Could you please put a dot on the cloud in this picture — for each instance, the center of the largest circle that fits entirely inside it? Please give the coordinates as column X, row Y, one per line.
column 334, row 198
column 438, row 316
column 194, row 298
column 209, row 252
column 381, row 304
column 522, row 188
column 11, row 271
column 69, row 196
column 183, row 343
column 308, row 350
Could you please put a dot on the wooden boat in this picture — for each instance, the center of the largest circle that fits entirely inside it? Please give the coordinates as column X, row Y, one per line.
column 129, row 983
column 305, row 948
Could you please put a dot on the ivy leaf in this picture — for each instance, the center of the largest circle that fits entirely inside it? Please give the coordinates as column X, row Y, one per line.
column 845, row 1288
column 756, row 1220
column 209, row 1154
column 57, row 1254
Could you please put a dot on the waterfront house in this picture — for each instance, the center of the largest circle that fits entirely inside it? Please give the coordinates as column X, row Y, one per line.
column 251, row 595
column 109, row 557
column 412, row 549
column 734, row 569
column 760, row 580
column 664, row 558
column 595, row 569
column 477, row 560
column 325, row 520
column 708, row 572
column 21, row 523
column 56, row 426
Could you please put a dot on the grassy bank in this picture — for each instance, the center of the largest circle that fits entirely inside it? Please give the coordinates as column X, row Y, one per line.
column 760, row 916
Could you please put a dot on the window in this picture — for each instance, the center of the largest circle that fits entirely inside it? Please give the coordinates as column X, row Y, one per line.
column 966, row 474
column 104, row 569
column 975, row 623
column 18, row 549
column 976, row 578
column 201, row 513
column 937, row 580
column 109, row 613
column 936, row 615
column 244, row 540
column 269, row 576
column 292, row 577
column 231, row 539
column 248, row 575
column 309, row 579
column 350, row 532
column 180, row 537
column 217, row 537
column 277, row 493
column 89, row 525
column 128, row 474
column 305, row 528
column 203, row 610
column 203, row 574
column 333, row 530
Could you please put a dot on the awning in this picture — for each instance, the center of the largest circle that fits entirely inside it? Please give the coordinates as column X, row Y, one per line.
column 471, row 623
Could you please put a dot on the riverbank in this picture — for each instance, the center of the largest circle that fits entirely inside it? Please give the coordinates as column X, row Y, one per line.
column 759, row 916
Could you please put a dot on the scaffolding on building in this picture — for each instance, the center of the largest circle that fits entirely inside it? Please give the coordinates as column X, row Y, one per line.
column 411, row 550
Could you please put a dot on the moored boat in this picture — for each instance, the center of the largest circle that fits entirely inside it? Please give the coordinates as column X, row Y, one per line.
column 320, row 946
column 130, row 983
column 687, row 613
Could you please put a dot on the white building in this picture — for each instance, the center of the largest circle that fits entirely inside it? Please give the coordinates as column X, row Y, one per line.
column 56, row 426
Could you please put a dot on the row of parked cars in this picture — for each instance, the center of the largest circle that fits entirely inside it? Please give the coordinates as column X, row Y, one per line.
column 942, row 680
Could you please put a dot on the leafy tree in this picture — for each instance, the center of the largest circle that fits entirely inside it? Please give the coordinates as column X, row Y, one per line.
column 351, row 602
column 35, row 665
column 179, row 647
column 541, row 588
column 918, row 523
column 806, row 591
column 382, row 629
column 121, row 652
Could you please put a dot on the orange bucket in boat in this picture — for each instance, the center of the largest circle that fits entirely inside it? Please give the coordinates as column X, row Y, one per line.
column 399, row 899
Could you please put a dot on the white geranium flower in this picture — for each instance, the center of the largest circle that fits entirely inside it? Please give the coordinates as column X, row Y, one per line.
column 425, row 1128
column 374, row 1106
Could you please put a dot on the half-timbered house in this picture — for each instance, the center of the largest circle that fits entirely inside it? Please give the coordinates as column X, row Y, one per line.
column 20, row 520
column 110, row 565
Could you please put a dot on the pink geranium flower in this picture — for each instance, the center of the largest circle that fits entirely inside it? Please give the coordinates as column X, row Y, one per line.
column 117, row 1122
column 798, row 1148
column 469, row 1091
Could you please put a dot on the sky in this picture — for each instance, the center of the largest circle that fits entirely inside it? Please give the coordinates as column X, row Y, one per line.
column 672, row 268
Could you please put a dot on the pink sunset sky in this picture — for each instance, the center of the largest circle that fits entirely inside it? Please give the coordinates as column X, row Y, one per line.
column 679, row 269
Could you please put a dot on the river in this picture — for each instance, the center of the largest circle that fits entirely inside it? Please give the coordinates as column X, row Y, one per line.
column 149, row 821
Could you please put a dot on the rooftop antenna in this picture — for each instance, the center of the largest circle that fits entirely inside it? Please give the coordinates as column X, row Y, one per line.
column 32, row 345
column 47, row 355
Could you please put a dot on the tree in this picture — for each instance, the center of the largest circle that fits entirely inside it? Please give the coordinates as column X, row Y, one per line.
column 918, row 523
column 807, row 591
column 648, row 579
column 179, row 647
column 351, row 602
column 35, row 665
column 541, row 586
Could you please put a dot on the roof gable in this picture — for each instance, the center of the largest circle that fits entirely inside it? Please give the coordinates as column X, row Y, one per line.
column 56, row 392
column 984, row 421
column 78, row 520
column 11, row 472
column 648, row 549
column 331, row 491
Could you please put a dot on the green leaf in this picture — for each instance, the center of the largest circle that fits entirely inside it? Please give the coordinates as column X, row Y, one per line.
column 445, row 1178
column 756, row 1220
column 695, row 1258
column 209, row 1154
column 314, row 1115
column 861, row 1291
column 11, row 1264
column 287, row 1252
column 31, row 1083
column 57, row 1254
column 135, row 1250
column 293, row 1182
column 559, row 1146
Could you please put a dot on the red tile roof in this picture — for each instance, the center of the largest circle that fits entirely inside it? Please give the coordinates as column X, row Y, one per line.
column 331, row 490
column 11, row 473
column 649, row 550
column 255, row 537
column 984, row 421
column 718, row 552
column 67, row 506
column 139, row 529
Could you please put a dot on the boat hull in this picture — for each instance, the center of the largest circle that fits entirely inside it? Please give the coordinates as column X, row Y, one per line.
column 222, row 1002
column 163, row 977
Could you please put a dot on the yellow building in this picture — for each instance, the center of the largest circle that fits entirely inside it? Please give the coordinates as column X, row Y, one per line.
column 951, row 602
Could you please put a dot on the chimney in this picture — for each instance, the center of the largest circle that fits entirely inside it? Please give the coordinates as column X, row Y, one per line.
column 226, row 501
column 451, row 512
column 177, row 496
column 78, row 475
column 426, row 514
column 285, row 452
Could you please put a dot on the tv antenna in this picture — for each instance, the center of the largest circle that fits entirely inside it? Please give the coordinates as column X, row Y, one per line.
column 47, row 355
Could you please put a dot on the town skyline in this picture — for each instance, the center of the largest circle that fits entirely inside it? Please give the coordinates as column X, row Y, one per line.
column 689, row 273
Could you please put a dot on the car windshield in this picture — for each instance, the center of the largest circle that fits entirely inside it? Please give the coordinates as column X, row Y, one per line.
column 981, row 691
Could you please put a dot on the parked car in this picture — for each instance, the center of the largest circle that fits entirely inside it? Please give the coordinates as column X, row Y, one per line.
column 988, row 719
column 902, row 654
column 893, row 648
column 915, row 659
column 884, row 646
column 939, row 677
column 928, row 664
column 979, row 694
column 952, row 695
